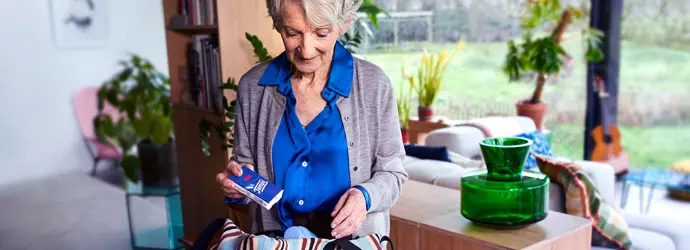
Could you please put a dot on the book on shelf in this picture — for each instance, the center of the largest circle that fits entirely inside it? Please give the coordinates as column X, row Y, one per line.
column 198, row 12
column 203, row 55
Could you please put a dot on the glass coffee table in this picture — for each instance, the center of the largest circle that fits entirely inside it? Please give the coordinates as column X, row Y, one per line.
column 653, row 178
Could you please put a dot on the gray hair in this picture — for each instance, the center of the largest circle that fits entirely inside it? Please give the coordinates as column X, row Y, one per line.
column 320, row 13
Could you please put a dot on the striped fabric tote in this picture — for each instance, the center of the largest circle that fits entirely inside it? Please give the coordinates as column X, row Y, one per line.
column 232, row 238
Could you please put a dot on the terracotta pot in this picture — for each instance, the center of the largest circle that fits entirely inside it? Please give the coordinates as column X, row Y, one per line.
column 425, row 113
column 405, row 136
column 533, row 111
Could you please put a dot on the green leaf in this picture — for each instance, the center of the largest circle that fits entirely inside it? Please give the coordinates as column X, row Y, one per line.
column 259, row 50
column 160, row 130
column 130, row 166
column 111, row 96
column 165, row 103
column 102, row 93
column 141, row 127
column 104, row 128
column 124, row 75
column 205, row 148
column 230, row 115
column 136, row 61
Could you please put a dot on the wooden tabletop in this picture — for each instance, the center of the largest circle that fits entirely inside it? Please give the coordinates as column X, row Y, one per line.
column 436, row 212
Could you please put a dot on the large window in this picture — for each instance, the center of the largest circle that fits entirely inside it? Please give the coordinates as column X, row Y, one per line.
column 654, row 91
column 475, row 85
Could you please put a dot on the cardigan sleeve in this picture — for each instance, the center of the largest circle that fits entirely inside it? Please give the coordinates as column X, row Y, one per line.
column 388, row 174
column 241, row 151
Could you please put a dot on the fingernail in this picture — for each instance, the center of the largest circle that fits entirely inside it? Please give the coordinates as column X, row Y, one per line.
column 334, row 234
column 333, row 225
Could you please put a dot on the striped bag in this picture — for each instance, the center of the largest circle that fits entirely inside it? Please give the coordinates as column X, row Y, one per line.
column 232, row 238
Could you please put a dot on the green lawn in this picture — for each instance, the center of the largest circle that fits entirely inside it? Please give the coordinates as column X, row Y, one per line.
column 657, row 146
column 478, row 69
column 649, row 76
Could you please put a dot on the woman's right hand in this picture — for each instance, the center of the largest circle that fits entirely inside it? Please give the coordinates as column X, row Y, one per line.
column 229, row 186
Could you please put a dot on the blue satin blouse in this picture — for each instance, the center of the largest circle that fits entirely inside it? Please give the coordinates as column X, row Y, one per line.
column 311, row 163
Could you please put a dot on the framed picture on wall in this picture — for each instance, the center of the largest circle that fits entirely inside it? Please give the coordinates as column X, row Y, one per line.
column 80, row 23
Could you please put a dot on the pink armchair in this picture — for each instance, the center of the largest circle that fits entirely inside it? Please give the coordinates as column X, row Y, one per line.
column 85, row 103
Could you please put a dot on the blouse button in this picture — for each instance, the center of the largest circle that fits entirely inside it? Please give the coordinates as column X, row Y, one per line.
column 352, row 143
column 347, row 118
column 304, row 164
column 301, row 202
column 355, row 169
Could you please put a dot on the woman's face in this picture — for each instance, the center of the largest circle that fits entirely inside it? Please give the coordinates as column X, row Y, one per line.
column 308, row 49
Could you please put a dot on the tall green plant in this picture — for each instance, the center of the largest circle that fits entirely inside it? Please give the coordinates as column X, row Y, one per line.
column 543, row 55
column 141, row 97
column 404, row 100
column 430, row 74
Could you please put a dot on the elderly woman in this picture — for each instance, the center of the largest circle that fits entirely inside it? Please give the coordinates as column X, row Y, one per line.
column 322, row 125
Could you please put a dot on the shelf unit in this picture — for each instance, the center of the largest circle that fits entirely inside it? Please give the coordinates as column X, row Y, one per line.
column 201, row 197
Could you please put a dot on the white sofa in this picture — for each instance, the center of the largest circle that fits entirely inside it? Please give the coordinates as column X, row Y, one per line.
column 463, row 143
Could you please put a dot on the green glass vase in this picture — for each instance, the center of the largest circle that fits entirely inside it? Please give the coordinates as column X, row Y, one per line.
column 503, row 195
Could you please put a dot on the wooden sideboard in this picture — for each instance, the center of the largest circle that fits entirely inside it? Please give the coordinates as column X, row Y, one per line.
column 428, row 217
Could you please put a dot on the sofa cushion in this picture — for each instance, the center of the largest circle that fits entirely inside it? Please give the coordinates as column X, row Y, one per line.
column 582, row 199
column 646, row 239
column 539, row 146
column 463, row 140
column 465, row 162
column 427, row 171
column 451, row 179
column 674, row 229
column 439, row 153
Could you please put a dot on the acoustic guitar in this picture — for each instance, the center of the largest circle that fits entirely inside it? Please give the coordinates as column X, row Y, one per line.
column 607, row 136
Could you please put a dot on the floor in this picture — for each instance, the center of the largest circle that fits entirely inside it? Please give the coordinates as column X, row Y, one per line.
column 72, row 210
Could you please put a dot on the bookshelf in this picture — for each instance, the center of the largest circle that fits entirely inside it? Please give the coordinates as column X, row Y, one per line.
column 223, row 24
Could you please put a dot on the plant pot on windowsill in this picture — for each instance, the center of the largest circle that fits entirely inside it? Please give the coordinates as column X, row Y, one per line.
column 534, row 111
column 425, row 113
column 158, row 164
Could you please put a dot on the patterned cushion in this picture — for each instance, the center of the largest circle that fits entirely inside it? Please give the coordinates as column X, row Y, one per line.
column 582, row 199
column 539, row 146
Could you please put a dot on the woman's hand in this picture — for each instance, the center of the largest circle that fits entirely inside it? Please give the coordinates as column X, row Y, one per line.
column 229, row 186
column 349, row 213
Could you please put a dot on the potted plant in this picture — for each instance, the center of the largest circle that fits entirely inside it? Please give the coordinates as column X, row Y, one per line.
column 429, row 78
column 143, row 127
column 543, row 56
column 403, row 103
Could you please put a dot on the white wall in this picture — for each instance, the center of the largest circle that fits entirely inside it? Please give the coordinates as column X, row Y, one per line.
column 38, row 132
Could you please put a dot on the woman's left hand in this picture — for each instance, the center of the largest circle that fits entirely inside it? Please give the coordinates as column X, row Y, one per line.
column 349, row 213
